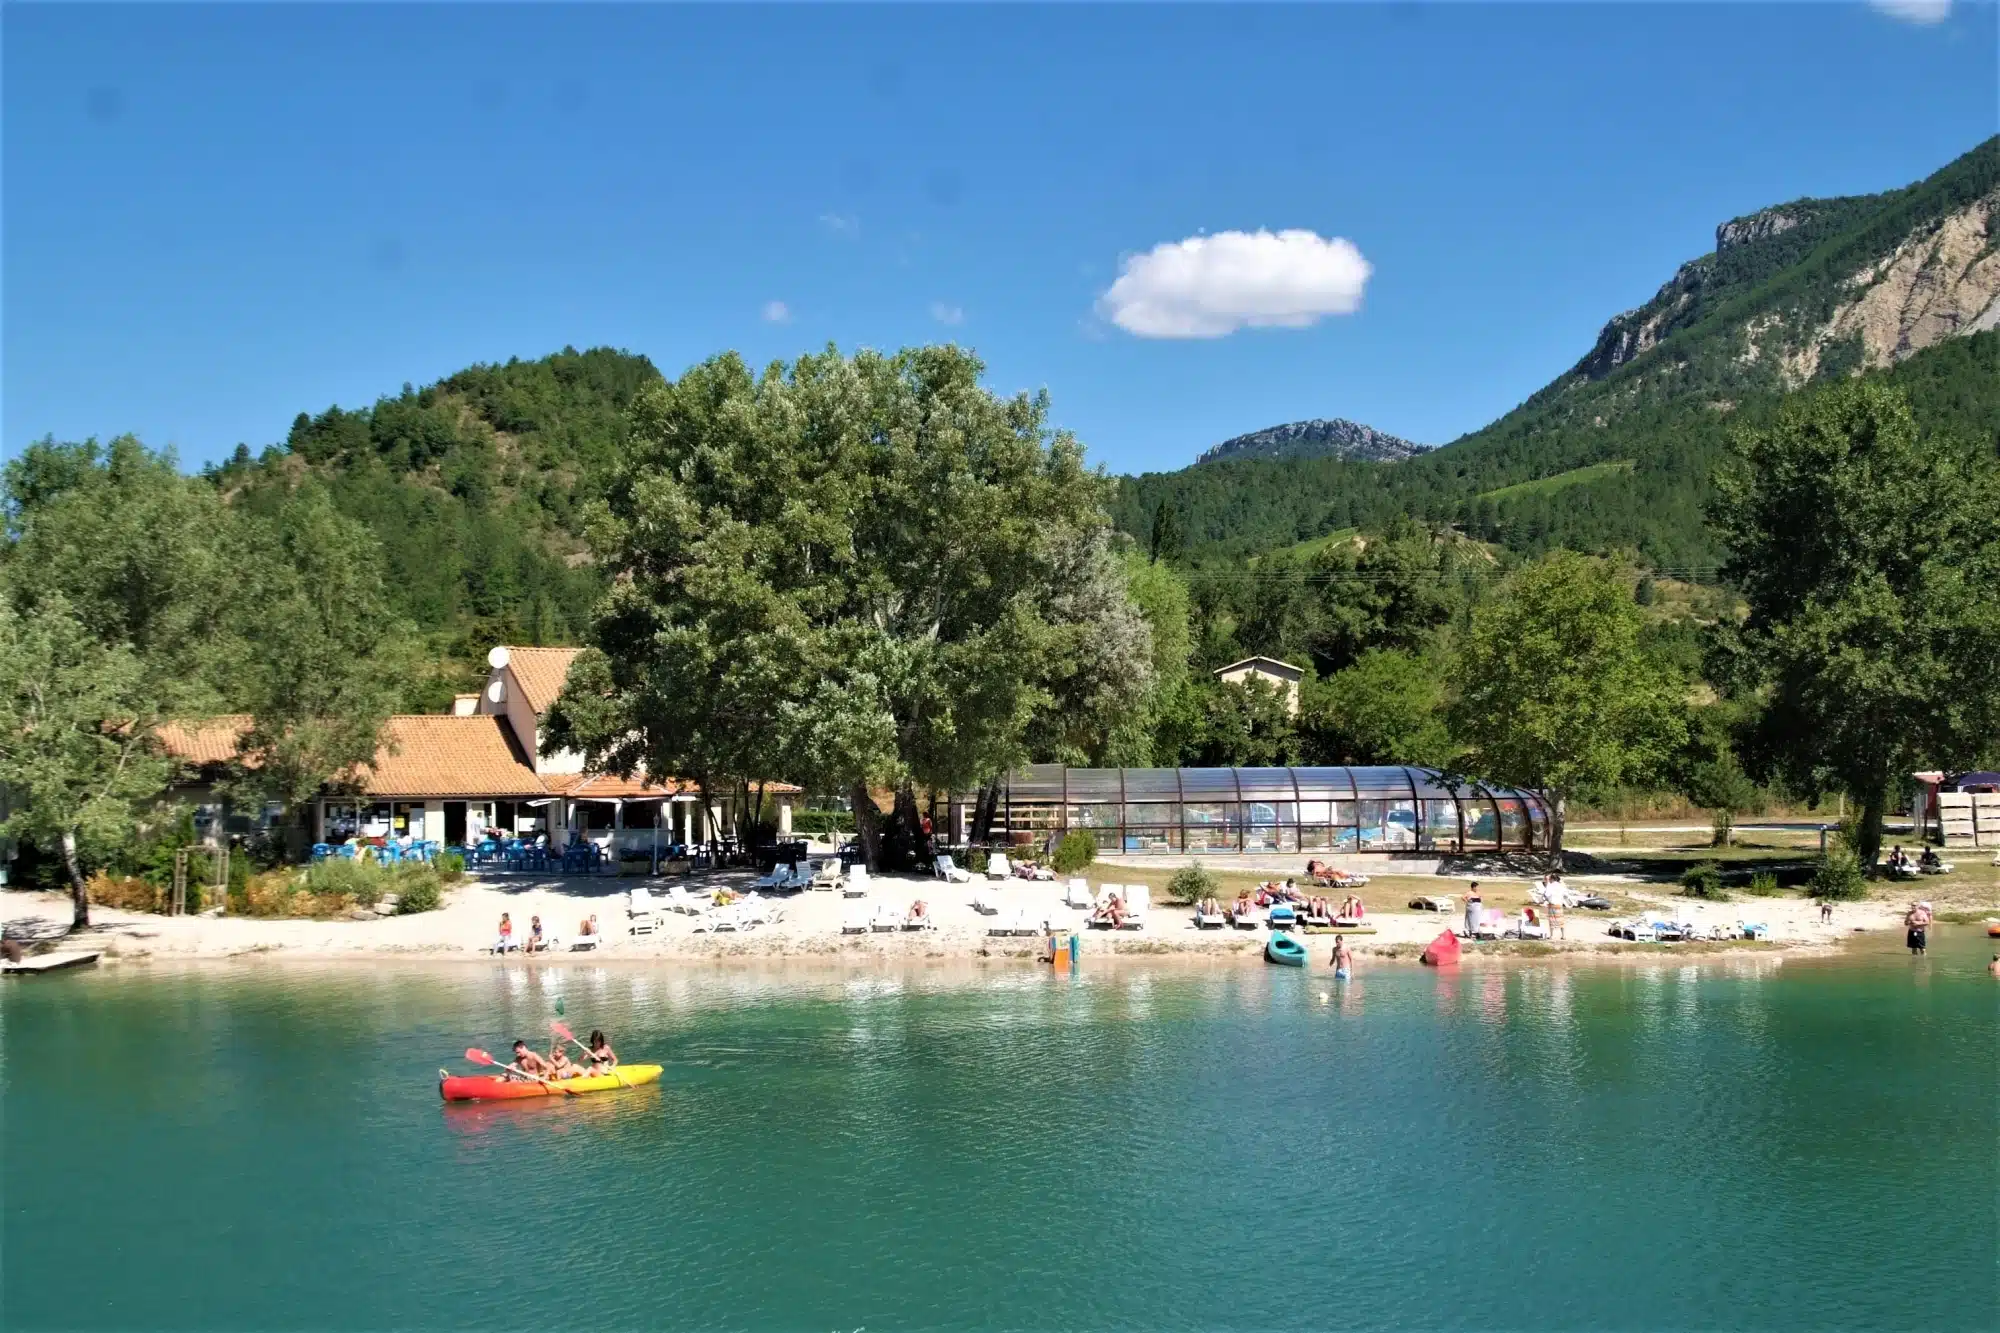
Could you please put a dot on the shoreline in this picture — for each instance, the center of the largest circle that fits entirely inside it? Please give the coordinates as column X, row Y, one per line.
column 809, row 930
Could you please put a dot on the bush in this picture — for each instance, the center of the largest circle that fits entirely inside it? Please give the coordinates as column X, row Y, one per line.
column 128, row 893
column 1837, row 875
column 1704, row 881
column 975, row 861
column 420, row 890
column 450, row 866
column 1077, row 849
column 363, row 882
column 1764, row 884
column 816, row 822
column 1191, row 883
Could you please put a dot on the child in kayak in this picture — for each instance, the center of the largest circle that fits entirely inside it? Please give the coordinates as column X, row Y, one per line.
column 602, row 1057
column 527, row 1062
column 560, row 1065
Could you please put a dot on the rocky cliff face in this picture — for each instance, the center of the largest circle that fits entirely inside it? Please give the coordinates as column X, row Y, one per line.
column 1941, row 281
column 1822, row 287
column 1315, row 439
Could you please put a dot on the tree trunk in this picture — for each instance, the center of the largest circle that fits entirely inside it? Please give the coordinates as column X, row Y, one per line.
column 79, row 894
column 1868, row 837
column 907, row 831
column 867, row 826
column 1558, row 817
column 983, row 811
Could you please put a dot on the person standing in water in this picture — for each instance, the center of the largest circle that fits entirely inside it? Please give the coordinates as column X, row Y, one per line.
column 1917, row 925
column 1343, row 959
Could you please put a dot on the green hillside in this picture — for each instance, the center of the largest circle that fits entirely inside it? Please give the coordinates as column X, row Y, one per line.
column 475, row 487
column 1657, row 395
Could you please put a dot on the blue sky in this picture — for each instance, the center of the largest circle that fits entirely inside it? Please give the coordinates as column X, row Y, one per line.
column 214, row 218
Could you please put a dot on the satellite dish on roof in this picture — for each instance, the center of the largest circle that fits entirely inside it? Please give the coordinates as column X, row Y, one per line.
column 497, row 657
column 496, row 692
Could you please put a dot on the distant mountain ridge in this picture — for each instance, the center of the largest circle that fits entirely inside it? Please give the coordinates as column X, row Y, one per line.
column 1337, row 438
column 1904, row 284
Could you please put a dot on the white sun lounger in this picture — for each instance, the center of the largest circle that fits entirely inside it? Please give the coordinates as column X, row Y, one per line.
column 885, row 918
column 1137, row 898
column 1209, row 920
column 854, row 919
column 997, row 867
column 924, row 922
column 950, row 872
column 1077, row 894
column 826, row 875
column 1005, row 923
column 856, row 883
column 1250, row 920
column 640, row 912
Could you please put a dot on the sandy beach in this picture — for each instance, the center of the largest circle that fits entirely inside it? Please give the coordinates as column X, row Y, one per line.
column 809, row 925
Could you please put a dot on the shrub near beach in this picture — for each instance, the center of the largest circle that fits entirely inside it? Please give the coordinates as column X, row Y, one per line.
column 1077, row 849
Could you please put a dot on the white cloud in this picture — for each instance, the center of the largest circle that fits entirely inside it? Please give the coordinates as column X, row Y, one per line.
column 1914, row 11
column 1210, row 286
column 947, row 314
column 777, row 312
column 841, row 224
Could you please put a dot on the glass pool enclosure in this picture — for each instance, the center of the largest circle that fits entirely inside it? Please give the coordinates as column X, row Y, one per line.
column 1335, row 810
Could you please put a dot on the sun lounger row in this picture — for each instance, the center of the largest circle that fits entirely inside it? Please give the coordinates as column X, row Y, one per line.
column 865, row 918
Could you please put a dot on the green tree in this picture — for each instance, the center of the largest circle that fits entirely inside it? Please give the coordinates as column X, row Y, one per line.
column 1248, row 724
column 75, row 737
column 135, row 550
column 330, row 660
column 1870, row 558
column 852, row 572
column 1387, row 708
column 1553, row 692
column 1166, row 542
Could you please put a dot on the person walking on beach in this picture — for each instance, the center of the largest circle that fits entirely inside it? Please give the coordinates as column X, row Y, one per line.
column 1826, row 911
column 1343, row 959
column 1557, row 916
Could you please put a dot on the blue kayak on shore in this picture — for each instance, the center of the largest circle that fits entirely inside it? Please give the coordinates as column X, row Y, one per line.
column 1285, row 951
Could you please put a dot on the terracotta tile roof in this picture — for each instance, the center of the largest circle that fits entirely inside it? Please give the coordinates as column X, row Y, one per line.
column 540, row 673
column 445, row 755
column 213, row 741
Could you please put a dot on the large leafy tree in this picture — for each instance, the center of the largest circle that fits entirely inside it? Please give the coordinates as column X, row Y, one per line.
column 1870, row 557
column 1387, row 708
column 1553, row 691
column 76, row 761
column 330, row 659
column 855, row 572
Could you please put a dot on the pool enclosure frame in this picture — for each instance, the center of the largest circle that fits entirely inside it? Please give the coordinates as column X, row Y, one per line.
column 1333, row 810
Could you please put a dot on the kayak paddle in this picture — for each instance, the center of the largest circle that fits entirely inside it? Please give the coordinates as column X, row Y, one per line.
column 479, row 1057
column 558, row 1030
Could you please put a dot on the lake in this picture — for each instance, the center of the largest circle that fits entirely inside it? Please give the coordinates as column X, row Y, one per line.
column 1751, row 1143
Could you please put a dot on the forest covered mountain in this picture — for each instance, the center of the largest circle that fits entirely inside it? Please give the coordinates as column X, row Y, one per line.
column 1615, row 454
column 1337, row 438
column 475, row 485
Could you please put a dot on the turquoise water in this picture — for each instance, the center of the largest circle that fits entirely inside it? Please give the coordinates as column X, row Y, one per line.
column 1744, row 1143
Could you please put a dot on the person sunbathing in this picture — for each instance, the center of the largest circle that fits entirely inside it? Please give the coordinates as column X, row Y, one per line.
column 1210, row 907
column 602, row 1057
column 1243, row 905
column 919, row 911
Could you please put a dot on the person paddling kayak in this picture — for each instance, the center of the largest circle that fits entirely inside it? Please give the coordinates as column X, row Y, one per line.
column 525, row 1060
column 602, row 1057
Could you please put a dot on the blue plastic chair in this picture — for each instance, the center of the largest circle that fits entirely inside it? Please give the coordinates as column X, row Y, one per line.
column 322, row 850
column 348, row 851
column 488, row 850
column 388, row 853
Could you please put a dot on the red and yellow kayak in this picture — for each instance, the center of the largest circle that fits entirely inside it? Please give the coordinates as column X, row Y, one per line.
column 486, row 1087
